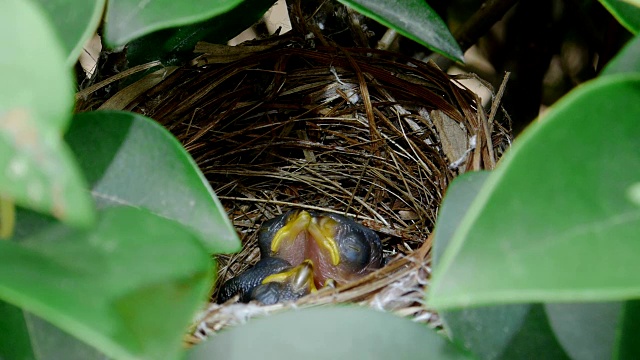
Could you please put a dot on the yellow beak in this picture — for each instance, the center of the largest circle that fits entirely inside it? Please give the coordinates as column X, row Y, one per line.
column 300, row 277
column 320, row 230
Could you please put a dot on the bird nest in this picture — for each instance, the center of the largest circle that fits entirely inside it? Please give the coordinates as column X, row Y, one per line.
column 279, row 124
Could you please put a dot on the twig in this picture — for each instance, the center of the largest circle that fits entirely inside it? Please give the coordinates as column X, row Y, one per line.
column 489, row 13
column 497, row 99
column 481, row 21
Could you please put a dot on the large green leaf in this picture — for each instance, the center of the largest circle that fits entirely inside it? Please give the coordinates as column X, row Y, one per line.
column 44, row 89
column 559, row 219
column 534, row 339
column 18, row 345
column 626, row 61
column 577, row 331
column 347, row 332
column 174, row 46
column 130, row 19
column 486, row 331
column 491, row 332
column 627, row 341
column 455, row 204
column 75, row 22
column 627, row 14
column 34, row 338
column 131, row 160
column 475, row 329
column 413, row 19
column 128, row 287
column 586, row 330
column 36, row 97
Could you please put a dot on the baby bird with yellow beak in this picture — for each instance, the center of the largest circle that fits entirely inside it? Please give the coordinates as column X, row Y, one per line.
column 300, row 246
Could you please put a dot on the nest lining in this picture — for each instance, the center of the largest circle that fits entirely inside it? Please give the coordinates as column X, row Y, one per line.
column 364, row 133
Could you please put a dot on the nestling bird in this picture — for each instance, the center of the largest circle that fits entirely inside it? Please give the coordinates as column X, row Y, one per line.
column 332, row 248
column 244, row 283
column 340, row 248
column 288, row 285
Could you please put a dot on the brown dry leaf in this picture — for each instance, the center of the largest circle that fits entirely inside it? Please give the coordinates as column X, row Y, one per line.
column 408, row 215
column 222, row 54
column 453, row 138
column 126, row 96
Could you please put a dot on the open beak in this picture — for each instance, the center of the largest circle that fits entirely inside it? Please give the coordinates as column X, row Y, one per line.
column 321, row 230
column 297, row 223
column 300, row 277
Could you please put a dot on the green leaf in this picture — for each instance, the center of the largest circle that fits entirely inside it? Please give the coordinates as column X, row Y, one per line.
column 534, row 339
column 455, row 204
column 558, row 219
column 492, row 332
column 626, row 61
column 18, row 345
column 130, row 19
column 36, row 169
column 347, row 332
column 485, row 331
column 174, row 46
column 128, row 287
column 75, row 22
column 627, row 14
column 35, row 338
column 30, row 223
column 585, row 330
column 131, row 160
column 44, row 89
column 505, row 332
column 413, row 19
column 627, row 342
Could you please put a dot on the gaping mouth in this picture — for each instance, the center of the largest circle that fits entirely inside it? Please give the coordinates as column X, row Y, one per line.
column 321, row 230
column 299, row 277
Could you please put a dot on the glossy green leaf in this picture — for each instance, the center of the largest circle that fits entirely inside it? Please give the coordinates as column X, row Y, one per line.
column 75, row 22
column 30, row 223
column 34, row 338
column 18, row 344
column 534, row 339
column 485, row 331
column 130, row 19
column 585, row 330
column 455, row 204
column 626, row 13
column 36, row 98
column 128, row 287
column 626, row 61
column 413, row 19
column 43, row 89
column 347, row 332
column 627, row 346
column 52, row 343
column 491, row 332
column 131, row 160
column 174, row 46
column 559, row 218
